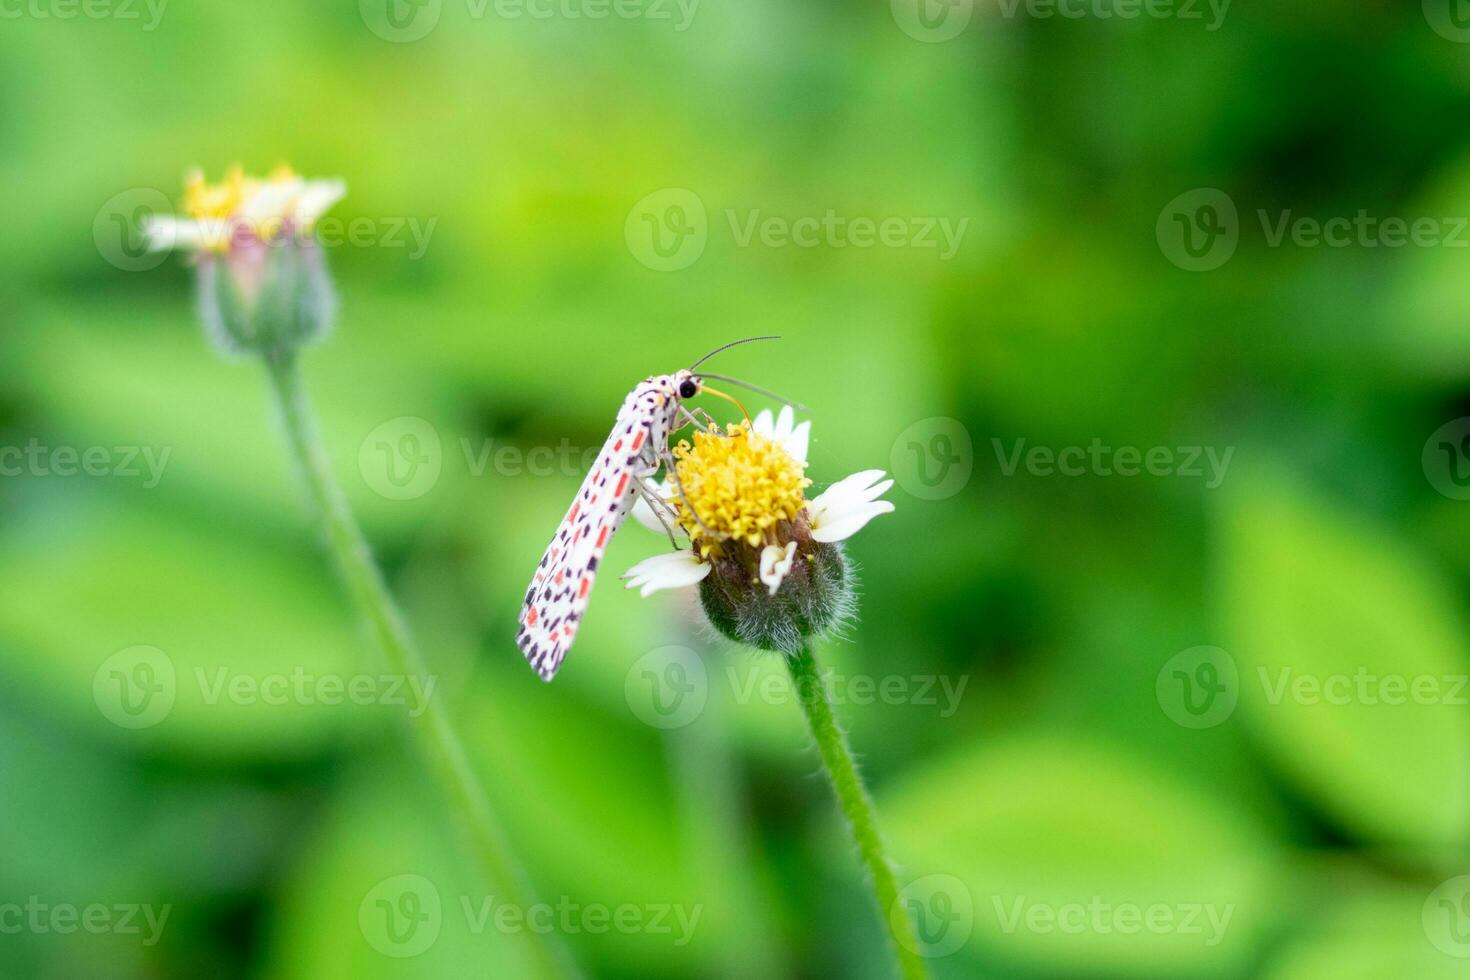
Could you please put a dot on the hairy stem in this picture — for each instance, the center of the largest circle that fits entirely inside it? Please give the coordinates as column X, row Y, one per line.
column 438, row 742
column 862, row 820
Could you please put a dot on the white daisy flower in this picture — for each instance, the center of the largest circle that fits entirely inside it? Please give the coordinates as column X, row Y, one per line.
column 251, row 238
column 755, row 540
column 240, row 211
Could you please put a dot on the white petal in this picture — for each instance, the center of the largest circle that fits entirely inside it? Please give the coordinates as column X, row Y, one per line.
column 166, row 231
column 314, row 201
column 764, row 424
column 775, row 563
column 842, row 509
column 784, row 422
column 674, row 570
column 796, row 445
column 270, row 202
column 850, row 522
column 643, row 511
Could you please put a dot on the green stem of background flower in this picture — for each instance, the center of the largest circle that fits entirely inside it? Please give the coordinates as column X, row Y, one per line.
column 857, row 807
column 440, row 744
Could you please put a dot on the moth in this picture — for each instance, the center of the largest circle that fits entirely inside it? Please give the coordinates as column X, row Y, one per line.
column 638, row 445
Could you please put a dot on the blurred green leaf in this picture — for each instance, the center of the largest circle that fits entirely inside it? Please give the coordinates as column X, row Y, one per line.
column 1080, row 860
column 1352, row 660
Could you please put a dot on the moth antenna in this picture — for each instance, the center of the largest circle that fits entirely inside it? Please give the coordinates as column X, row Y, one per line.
column 757, row 389
column 729, row 398
column 733, row 343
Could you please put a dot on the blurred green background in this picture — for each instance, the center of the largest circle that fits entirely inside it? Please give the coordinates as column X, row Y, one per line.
column 1100, row 797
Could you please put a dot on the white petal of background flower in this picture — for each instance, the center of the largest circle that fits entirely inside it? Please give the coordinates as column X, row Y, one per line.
column 318, row 196
column 674, row 570
column 776, row 561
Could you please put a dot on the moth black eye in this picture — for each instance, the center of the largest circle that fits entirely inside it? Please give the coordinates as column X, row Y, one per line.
column 687, row 388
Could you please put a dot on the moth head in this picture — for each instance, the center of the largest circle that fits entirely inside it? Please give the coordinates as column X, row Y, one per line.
column 687, row 384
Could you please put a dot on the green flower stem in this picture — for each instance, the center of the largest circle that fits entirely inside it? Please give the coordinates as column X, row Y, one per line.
column 857, row 807
column 438, row 741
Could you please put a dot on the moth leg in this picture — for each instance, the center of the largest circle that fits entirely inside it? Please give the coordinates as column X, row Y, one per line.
column 674, row 472
column 658, row 505
column 689, row 419
column 709, row 419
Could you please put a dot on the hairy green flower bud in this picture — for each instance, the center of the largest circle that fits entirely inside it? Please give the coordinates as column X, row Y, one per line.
column 816, row 597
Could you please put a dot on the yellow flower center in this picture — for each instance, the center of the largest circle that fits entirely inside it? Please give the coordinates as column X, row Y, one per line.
column 740, row 483
column 206, row 201
column 203, row 200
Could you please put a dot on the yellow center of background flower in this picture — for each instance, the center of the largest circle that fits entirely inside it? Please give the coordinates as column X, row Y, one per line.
column 203, row 200
column 740, row 483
